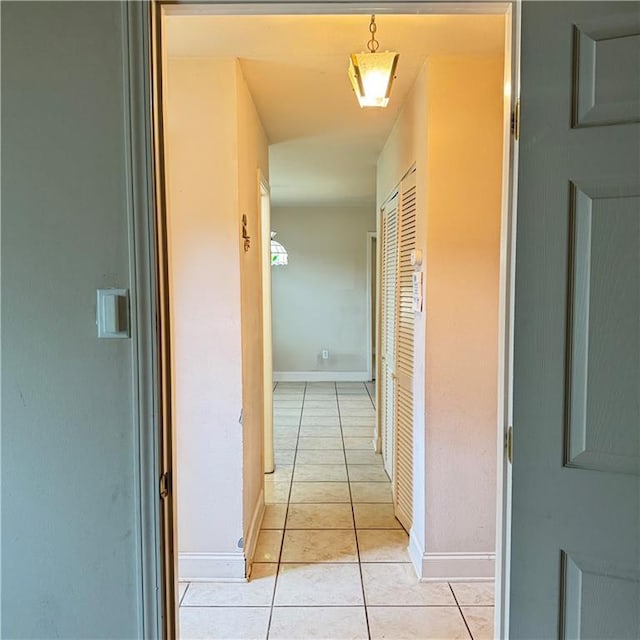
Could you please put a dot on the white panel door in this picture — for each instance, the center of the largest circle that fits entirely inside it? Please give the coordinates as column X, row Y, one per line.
column 388, row 284
column 575, row 561
column 403, row 400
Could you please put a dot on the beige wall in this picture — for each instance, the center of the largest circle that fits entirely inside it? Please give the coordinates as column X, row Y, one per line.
column 214, row 144
column 451, row 127
column 463, row 235
column 319, row 301
column 406, row 143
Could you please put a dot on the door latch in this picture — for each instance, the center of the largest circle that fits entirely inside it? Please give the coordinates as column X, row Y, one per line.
column 508, row 443
column 515, row 120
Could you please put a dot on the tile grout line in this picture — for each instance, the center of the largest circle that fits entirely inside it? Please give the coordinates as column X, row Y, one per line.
column 184, row 594
column 370, row 398
column 286, row 515
column 353, row 515
column 453, row 593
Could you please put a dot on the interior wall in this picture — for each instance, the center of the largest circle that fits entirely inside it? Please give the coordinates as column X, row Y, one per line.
column 451, row 127
column 319, row 300
column 463, row 250
column 406, row 143
column 205, row 291
column 215, row 146
column 70, row 530
column 253, row 154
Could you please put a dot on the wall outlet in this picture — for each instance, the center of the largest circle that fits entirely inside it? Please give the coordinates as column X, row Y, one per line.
column 325, row 354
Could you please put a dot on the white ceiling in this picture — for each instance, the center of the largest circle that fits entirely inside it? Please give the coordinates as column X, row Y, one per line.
column 324, row 147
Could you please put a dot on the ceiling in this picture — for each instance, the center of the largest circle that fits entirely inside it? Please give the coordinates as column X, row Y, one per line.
column 323, row 146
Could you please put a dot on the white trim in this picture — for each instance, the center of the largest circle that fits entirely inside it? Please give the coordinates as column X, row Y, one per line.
column 251, row 539
column 321, row 7
column 506, row 318
column 264, row 207
column 212, row 567
column 141, row 218
column 371, row 235
column 458, row 567
column 320, row 376
column 378, row 391
column 416, row 552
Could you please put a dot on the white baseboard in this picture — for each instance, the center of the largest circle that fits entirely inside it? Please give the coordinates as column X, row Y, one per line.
column 251, row 538
column 320, row 376
column 212, row 567
column 416, row 553
column 456, row 567
column 224, row 567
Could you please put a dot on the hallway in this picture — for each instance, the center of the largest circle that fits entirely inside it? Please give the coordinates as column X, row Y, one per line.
column 331, row 559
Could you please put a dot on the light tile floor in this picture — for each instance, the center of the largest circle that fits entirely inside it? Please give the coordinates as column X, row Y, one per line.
column 331, row 559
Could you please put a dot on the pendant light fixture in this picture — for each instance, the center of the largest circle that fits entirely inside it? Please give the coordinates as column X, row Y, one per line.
column 372, row 73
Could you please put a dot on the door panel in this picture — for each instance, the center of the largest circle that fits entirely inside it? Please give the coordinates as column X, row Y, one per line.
column 590, row 587
column 403, row 464
column 603, row 375
column 575, row 563
column 606, row 89
column 388, row 310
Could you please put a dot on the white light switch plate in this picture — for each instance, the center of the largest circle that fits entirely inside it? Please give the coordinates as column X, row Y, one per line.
column 112, row 313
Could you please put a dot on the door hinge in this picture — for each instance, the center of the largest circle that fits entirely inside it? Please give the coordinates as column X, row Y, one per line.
column 508, row 444
column 515, row 120
column 165, row 485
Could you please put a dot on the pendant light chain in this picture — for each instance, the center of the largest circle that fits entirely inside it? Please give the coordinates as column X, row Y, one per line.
column 373, row 44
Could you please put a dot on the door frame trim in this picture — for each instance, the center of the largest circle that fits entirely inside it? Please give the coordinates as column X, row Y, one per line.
column 506, row 309
column 264, row 192
column 143, row 57
column 137, row 61
column 369, row 333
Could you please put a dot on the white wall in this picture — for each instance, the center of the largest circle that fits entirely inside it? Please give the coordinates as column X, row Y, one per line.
column 212, row 180
column 463, row 251
column 319, row 301
column 451, row 126
column 70, row 506
column 205, row 303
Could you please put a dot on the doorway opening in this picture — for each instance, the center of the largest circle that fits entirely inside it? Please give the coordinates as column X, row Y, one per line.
column 235, row 336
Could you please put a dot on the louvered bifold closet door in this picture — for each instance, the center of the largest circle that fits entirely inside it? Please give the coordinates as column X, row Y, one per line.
column 389, row 268
column 403, row 464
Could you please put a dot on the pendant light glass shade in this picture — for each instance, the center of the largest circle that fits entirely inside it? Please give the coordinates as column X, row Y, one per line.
column 372, row 73
column 279, row 255
column 371, row 76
